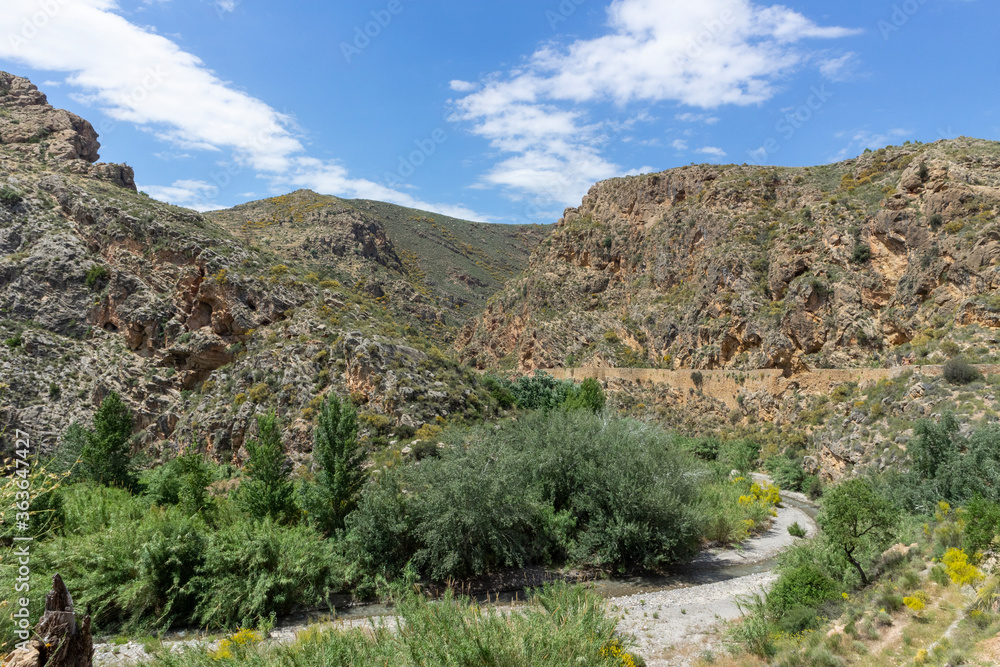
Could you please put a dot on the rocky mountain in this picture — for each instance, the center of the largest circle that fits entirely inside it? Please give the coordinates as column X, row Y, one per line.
column 200, row 327
column 429, row 268
column 886, row 259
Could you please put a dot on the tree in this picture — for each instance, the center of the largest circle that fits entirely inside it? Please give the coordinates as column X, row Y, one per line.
column 106, row 455
column 196, row 475
column 268, row 489
column 588, row 396
column 341, row 476
column 858, row 521
column 932, row 447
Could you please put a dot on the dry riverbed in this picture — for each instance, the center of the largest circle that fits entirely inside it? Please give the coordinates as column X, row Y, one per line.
column 674, row 626
column 677, row 626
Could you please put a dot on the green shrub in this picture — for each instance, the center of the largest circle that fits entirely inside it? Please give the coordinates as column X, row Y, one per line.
column 795, row 530
column 982, row 524
column 95, row 274
column 798, row 619
column 558, row 625
column 960, row 372
column 787, row 474
column 804, row 585
column 9, row 196
column 551, row 486
column 862, row 253
column 741, row 455
column 588, row 396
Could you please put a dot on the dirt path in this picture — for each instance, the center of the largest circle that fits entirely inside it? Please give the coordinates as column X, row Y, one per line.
column 675, row 627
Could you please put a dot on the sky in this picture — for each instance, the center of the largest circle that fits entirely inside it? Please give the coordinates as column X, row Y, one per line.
column 496, row 111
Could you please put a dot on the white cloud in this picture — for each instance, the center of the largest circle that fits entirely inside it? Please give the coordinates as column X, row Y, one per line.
column 227, row 5
column 714, row 151
column 171, row 93
column 198, row 195
column 680, row 144
column 462, row 86
column 697, row 118
column 702, row 54
column 840, row 69
column 859, row 140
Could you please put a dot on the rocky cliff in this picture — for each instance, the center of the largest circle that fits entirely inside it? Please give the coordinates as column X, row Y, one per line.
column 104, row 289
column 886, row 259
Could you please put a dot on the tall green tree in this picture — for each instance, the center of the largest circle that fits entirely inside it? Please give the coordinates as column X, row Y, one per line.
column 588, row 396
column 859, row 522
column 106, row 453
column 337, row 451
column 268, row 490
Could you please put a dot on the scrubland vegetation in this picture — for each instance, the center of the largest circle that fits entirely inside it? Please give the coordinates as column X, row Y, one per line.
column 559, row 483
column 193, row 543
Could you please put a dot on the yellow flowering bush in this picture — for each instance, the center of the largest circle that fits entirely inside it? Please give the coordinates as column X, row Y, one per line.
column 617, row 652
column 767, row 494
column 959, row 569
column 243, row 638
column 916, row 602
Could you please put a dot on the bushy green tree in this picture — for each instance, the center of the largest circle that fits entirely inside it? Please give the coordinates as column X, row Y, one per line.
column 106, row 455
column 859, row 522
column 340, row 457
column 588, row 396
column 195, row 476
column 268, row 490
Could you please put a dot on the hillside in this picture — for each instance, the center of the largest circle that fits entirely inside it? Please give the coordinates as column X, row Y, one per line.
column 432, row 267
column 103, row 289
column 889, row 258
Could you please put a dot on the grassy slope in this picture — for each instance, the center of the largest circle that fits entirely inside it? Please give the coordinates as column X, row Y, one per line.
column 454, row 261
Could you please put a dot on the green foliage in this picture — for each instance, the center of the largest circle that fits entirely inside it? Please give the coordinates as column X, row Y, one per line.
column 858, row 521
column 541, row 391
column 9, row 196
column 588, row 396
column 741, row 455
column 95, row 274
column 861, row 254
column 982, row 524
column 960, row 372
column 950, row 466
column 804, row 585
column 340, row 457
column 267, row 491
column 787, row 473
column 559, row 625
column 105, row 454
column 181, row 481
column 549, row 487
column 795, row 530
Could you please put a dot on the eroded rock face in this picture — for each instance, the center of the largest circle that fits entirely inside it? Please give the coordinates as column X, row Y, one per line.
column 740, row 267
column 103, row 289
column 30, row 119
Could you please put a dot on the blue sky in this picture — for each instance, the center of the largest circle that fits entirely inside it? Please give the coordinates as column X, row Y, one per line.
column 505, row 112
